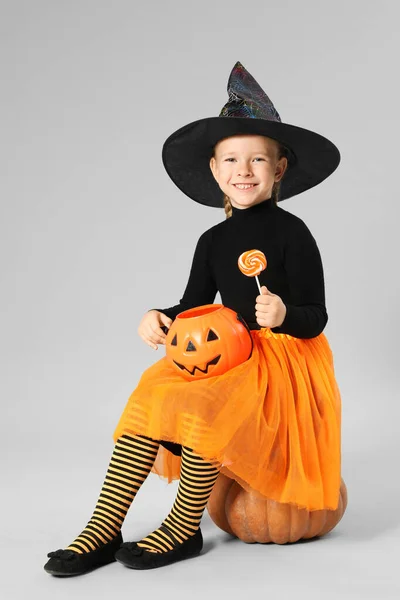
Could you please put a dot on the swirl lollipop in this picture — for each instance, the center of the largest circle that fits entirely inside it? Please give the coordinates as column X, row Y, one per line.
column 251, row 263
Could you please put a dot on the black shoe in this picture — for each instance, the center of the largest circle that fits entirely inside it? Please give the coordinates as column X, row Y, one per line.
column 135, row 557
column 66, row 563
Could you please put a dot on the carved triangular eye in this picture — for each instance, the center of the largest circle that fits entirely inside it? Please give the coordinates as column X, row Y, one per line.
column 174, row 341
column 190, row 347
column 212, row 336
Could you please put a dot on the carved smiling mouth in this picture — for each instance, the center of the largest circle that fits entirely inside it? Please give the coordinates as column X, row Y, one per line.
column 214, row 361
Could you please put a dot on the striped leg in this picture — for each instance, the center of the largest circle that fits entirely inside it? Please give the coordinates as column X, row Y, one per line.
column 197, row 479
column 131, row 462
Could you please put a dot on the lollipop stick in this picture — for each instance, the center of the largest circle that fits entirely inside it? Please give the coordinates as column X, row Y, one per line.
column 258, row 283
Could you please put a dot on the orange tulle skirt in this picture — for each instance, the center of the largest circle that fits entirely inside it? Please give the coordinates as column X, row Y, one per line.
column 273, row 422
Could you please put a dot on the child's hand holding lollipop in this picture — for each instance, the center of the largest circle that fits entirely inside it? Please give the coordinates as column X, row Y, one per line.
column 270, row 309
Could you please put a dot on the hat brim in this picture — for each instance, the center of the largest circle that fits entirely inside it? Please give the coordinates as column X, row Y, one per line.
column 186, row 155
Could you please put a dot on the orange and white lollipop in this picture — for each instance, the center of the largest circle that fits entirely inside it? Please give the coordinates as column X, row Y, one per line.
column 251, row 263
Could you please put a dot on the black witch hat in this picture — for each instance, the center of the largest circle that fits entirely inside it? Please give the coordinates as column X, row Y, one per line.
column 186, row 153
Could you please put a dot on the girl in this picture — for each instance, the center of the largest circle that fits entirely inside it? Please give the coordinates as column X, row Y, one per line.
column 273, row 422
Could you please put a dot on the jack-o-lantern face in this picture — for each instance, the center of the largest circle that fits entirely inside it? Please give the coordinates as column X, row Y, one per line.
column 208, row 340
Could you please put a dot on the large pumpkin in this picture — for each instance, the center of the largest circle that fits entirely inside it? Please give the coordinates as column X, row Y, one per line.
column 252, row 518
column 208, row 340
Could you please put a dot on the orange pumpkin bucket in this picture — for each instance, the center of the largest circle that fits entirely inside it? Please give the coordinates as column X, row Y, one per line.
column 207, row 341
column 272, row 420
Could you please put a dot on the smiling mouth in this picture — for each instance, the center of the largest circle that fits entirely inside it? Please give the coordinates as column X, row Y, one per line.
column 214, row 361
column 244, row 186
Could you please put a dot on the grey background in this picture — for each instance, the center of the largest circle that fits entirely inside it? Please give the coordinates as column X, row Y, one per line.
column 94, row 233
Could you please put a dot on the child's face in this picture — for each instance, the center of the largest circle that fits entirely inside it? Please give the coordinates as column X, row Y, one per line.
column 247, row 159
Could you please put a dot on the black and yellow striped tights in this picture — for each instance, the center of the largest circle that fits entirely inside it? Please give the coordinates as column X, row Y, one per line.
column 131, row 462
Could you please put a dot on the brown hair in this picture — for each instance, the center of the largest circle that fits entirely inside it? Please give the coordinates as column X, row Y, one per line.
column 282, row 152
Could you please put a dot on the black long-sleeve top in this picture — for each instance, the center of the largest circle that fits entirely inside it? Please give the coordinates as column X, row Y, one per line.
column 294, row 268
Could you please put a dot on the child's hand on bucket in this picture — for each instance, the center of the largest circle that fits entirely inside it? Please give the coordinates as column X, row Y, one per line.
column 150, row 328
column 270, row 309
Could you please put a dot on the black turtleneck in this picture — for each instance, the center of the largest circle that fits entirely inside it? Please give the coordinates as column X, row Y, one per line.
column 294, row 268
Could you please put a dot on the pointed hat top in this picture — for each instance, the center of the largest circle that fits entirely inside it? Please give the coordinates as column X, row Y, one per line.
column 247, row 98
